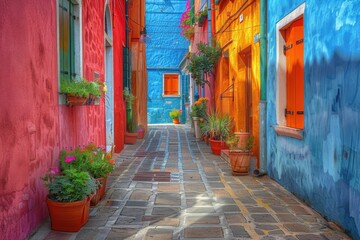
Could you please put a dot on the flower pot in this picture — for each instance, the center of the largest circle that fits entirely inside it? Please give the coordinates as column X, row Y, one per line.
column 130, row 138
column 100, row 192
column 141, row 133
column 176, row 121
column 240, row 162
column 197, row 128
column 243, row 138
column 68, row 216
column 103, row 187
column 217, row 145
column 74, row 100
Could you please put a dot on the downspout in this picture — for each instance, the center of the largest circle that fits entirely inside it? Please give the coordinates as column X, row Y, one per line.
column 262, row 170
column 213, row 26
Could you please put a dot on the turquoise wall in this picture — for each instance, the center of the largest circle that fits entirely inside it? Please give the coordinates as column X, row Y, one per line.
column 324, row 168
column 165, row 49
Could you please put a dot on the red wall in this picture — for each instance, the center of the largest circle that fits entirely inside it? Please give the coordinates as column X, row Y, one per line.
column 29, row 125
column 33, row 126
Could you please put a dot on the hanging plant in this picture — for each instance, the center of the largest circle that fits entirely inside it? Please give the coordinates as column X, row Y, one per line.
column 187, row 28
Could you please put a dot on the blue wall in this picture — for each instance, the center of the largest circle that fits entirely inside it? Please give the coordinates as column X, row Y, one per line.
column 165, row 48
column 324, row 168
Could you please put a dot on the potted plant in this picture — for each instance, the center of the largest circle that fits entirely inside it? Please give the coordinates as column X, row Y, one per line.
column 186, row 23
column 93, row 160
column 175, row 114
column 131, row 134
column 240, row 154
column 96, row 90
column 218, row 126
column 76, row 91
column 201, row 17
column 141, row 132
column 198, row 114
column 69, row 198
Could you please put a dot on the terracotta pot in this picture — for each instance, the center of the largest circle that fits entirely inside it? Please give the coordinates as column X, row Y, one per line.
column 243, row 138
column 103, row 187
column 68, row 216
column 217, row 146
column 176, row 121
column 240, row 162
column 206, row 139
column 141, row 133
column 130, row 138
column 74, row 100
column 96, row 198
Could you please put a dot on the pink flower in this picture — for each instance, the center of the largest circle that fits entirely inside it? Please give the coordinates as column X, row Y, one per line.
column 69, row 159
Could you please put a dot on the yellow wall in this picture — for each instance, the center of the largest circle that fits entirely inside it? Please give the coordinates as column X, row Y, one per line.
column 237, row 38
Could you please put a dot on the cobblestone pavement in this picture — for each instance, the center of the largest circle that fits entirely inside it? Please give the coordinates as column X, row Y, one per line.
column 168, row 186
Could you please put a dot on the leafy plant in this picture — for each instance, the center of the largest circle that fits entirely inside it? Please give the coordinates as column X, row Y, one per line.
column 201, row 16
column 81, row 87
column 73, row 185
column 199, row 108
column 218, row 126
column 186, row 24
column 203, row 63
column 233, row 140
column 128, row 96
column 175, row 113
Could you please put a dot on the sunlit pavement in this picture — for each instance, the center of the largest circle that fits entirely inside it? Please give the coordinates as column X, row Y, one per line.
column 168, row 186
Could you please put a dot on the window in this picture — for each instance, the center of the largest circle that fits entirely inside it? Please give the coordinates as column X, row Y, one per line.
column 290, row 71
column 171, row 85
column 69, row 39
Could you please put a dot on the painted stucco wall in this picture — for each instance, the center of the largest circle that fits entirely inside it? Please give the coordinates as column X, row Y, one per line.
column 237, row 39
column 34, row 127
column 324, row 168
column 165, row 49
column 29, row 125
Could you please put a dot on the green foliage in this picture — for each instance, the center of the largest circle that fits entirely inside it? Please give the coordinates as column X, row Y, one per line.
column 233, row 140
column 218, row 126
column 175, row 113
column 204, row 61
column 81, row 87
column 128, row 96
column 201, row 16
column 199, row 108
column 73, row 185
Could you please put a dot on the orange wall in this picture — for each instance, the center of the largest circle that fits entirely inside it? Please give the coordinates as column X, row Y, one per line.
column 237, row 38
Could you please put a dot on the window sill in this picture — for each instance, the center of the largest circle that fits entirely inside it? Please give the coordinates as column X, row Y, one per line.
column 172, row 96
column 289, row 132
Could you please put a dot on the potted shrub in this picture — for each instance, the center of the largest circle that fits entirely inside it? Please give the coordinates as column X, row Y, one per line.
column 240, row 154
column 198, row 114
column 131, row 134
column 93, row 160
column 69, row 198
column 76, row 91
column 218, row 126
column 175, row 114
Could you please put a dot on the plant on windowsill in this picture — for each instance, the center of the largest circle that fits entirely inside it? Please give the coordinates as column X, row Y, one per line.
column 201, row 17
column 96, row 90
column 76, row 91
column 175, row 114
column 69, row 198
column 240, row 154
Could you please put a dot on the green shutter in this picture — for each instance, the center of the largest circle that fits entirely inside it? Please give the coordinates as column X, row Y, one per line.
column 127, row 67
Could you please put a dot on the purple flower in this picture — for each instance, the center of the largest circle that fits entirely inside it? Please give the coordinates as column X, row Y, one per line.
column 69, row 159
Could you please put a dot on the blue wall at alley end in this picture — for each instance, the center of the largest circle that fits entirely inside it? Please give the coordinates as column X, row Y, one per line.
column 323, row 169
column 165, row 49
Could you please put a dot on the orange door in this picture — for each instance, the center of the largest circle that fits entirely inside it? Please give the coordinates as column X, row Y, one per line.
column 294, row 51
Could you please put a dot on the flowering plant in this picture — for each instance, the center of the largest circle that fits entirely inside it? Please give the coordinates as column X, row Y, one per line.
column 70, row 186
column 187, row 28
column 199, row 108
column 175, row 113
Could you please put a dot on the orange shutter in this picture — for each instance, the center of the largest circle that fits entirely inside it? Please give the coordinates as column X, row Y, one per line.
column 294, row 51
column 171, row 84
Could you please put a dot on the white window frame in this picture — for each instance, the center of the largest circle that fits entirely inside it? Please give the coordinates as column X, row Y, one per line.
column 163, row 85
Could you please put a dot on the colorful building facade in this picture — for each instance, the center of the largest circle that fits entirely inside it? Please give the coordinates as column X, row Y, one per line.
column 164, row 52
column 313, row 105
column 237, row 84
column 36, row 124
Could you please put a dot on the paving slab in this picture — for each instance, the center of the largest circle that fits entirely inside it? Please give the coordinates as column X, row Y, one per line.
column 157, row 193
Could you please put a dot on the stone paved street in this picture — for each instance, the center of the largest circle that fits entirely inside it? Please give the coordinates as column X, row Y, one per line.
column 194, row 196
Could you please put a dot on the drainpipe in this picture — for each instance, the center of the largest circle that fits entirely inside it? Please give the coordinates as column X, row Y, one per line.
column 263, row 75
column 210, row 19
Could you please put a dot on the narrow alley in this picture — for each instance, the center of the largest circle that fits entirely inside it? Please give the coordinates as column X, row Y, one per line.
column 169, row 186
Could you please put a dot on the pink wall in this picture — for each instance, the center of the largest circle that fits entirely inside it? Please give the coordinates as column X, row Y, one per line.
column 33, row 126
column 29, row 125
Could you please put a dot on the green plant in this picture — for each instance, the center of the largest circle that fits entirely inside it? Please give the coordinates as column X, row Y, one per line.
column 78, row 88
column 186, row 23
column 73, row 185
column 128, row 96
column 199, row 108
column 90, row 158
column 218, row 126
column 233, row 140
column 201, row 16
column 203, row 63
column 175, row 113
